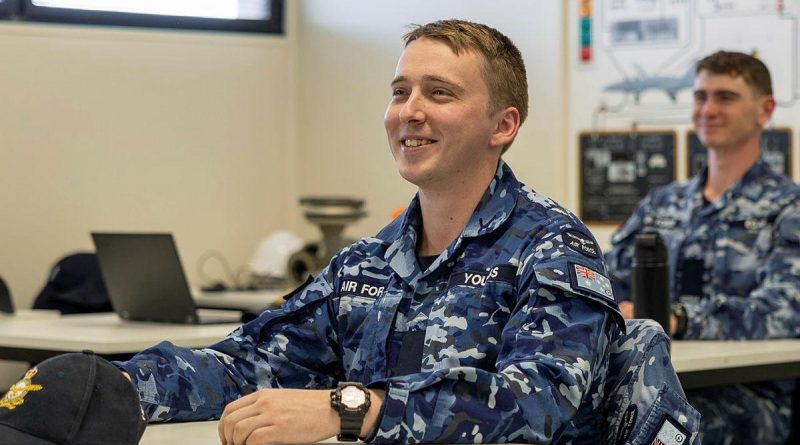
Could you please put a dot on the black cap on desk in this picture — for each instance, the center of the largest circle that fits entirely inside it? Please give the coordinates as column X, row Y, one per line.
column 76, row 398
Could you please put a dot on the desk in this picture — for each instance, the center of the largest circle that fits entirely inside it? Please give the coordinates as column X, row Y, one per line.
column 715, row 363
column 189, row 433
column 34, row 339
column 254, row 301
column 698, row 363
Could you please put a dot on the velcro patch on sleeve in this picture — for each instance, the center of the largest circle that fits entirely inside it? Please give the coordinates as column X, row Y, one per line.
column 590, row 280
column 670, row 433
column 580, row 243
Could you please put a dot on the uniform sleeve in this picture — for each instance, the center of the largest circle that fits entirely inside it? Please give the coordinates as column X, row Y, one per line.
column 293, row 346
column 619, row 258
column 554, row 348
column 772, row 309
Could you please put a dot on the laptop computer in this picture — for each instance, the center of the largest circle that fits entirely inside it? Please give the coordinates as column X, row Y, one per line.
column 145, row 279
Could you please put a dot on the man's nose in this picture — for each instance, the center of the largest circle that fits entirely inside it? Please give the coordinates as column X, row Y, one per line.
column 709, row 107
column 413, row 110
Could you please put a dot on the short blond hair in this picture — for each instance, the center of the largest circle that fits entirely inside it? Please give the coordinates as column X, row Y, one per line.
column 503, row 70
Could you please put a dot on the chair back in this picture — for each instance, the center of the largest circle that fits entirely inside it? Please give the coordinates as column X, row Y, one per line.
column 6, row 305
column 645, row 402
column 74, row 286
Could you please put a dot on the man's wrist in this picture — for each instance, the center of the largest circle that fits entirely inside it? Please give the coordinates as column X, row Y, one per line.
column 681, row 320
column 373, row 417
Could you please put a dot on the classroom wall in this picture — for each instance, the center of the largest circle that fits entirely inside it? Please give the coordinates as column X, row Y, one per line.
column 214, row 136
column 348, row 53
column 128, row 129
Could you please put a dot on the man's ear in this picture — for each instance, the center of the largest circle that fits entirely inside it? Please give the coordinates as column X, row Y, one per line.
column 765, row 109
column 507, row 127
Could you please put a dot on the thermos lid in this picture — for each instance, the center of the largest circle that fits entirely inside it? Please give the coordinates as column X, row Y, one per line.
column 649, row 249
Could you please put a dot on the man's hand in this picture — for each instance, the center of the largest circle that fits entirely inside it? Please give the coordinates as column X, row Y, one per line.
column 286, row 416
column 626, row 308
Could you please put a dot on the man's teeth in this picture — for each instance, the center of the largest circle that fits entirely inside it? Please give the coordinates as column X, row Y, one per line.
column 416, row 142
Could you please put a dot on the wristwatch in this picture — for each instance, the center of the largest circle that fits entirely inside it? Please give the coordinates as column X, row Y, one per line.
column 351, row 400
column 681, row 320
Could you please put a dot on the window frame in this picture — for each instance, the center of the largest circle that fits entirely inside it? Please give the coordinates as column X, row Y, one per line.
column 30, row 12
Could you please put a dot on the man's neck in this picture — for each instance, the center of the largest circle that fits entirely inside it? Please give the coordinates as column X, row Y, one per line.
column 447, row 210
column 726, row 168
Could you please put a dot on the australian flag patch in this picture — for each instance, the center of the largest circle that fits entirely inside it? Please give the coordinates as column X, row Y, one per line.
column 591, row 280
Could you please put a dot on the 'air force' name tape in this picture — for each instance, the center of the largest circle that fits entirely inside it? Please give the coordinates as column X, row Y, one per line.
column 357, row 288
column 580, row 243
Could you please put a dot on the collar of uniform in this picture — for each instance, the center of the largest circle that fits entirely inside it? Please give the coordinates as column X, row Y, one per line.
column 496, row 205
column 742, row 187
column 492, row 211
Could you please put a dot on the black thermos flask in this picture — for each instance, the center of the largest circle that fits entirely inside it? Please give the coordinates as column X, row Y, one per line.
column 651, row 279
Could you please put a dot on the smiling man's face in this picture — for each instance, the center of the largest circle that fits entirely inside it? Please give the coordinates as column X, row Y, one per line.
column 727, row 112
column 438, row 121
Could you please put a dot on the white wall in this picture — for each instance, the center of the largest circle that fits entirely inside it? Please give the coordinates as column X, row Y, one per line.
column 214, row 136
column 348, row 53
column 125, row 129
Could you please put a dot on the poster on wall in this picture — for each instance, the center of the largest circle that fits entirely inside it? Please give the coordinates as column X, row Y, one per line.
column 617, row 170
column 776, row 149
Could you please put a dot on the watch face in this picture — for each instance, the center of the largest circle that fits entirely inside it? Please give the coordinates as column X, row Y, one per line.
column 352, row 397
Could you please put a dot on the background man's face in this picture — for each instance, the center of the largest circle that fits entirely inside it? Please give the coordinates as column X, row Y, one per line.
column 438, row 121
column 727, row 112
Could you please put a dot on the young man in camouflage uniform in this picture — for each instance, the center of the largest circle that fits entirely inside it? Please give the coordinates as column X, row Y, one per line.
column 481, row 314
column 733, row 235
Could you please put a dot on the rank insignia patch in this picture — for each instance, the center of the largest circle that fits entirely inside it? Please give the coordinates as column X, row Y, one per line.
column 16, row 394
column 670, row 433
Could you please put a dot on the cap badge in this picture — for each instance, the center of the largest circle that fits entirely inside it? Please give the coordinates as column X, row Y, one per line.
column 16, row 394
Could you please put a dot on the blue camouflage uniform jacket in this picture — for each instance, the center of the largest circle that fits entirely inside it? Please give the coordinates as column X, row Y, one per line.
column 513, row 323
column 734, row 264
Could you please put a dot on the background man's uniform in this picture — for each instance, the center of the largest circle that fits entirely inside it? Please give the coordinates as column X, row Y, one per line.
column 735, row 266
column 503, row 338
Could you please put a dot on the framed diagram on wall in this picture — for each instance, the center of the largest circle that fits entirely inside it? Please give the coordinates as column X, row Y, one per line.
column 776, row 149
column 617, row 170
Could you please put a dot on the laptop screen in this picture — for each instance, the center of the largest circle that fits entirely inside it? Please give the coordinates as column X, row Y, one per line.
column 144, row 277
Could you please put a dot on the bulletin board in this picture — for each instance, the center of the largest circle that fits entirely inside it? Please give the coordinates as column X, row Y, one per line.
column 618, row 169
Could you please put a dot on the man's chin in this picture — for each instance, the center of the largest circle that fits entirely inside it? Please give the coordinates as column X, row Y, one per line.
column 415, row 176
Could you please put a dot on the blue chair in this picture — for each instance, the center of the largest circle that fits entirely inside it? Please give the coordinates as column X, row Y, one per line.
column 644, row 399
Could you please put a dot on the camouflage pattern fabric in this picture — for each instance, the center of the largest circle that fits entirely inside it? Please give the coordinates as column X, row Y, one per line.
column 643, row 389
column 735, row 266
column 517, row 324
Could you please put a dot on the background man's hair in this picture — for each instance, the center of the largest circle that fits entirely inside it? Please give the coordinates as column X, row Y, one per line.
column 735, row 64
column 504, row 69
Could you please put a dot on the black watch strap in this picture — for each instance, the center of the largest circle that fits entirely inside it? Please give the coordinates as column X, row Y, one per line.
column 351, row 426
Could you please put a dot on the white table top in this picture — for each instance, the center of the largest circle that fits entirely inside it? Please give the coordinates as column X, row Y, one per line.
column 251, row 300
column 108, row 334
column 103, row 333
column 704, row 355
column 190, row 433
